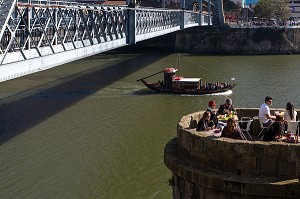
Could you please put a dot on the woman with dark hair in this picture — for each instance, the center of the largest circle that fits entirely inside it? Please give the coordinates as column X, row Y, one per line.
column 275, row 130
column 203, row 122
column 290, row 114
column 231, row 131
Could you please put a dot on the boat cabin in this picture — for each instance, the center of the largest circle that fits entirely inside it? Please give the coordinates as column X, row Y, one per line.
column 177, row 82
column 186, row 83
column 173, row 83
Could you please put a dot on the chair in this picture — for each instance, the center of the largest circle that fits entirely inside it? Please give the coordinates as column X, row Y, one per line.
column 261, row 126
column 242, row 135
column 292, row 127
column 244, row 125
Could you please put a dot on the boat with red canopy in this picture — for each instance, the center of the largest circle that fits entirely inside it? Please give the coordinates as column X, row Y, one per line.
column 175, row 84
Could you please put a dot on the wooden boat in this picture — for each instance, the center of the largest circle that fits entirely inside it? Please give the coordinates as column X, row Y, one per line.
column 180, row 85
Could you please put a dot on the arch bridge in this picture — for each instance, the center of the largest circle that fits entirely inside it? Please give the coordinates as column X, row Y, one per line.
column 36, row 35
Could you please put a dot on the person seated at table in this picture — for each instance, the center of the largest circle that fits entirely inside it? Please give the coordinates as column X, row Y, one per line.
column 226, row 108
column 203, row 122
column 275, row 129
column 264, row 113
column 213, row 116
column 290, row 114
column 231, row 131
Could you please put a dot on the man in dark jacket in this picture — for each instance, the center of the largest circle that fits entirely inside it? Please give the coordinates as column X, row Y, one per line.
column 226, row 108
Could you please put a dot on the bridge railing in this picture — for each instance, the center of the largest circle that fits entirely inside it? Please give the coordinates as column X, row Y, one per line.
column 150, row 23
column 39, row 29
column 191, row 19
column 59, row 26
column 39, row 34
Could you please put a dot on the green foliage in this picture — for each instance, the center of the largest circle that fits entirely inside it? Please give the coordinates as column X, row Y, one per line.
column 282, row 10
column 277, row 9
column 230, row 6
column 171, row 182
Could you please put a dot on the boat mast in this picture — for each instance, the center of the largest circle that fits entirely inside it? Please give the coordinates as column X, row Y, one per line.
column 179, row 65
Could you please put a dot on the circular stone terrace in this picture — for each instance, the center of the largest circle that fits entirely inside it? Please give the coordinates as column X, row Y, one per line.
column 211, row 168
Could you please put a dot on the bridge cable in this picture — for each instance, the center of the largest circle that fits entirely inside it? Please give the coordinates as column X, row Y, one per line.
column 204, row 68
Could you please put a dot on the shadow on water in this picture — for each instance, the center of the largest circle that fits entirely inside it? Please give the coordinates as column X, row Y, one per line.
column 25, row 112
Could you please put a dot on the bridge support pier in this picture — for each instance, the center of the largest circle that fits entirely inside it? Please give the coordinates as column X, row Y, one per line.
column 200, row 12
column 131, row 29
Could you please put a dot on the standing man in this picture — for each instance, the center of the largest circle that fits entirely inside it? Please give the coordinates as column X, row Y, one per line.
column 264, row 114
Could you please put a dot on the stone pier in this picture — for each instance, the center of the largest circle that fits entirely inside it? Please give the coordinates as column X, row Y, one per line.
column 207, row 167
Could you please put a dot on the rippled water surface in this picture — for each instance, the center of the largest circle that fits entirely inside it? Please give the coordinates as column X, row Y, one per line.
column 88, row 129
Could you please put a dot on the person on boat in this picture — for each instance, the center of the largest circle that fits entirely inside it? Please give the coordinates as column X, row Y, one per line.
column 213, row 116
column 264, row 114
column 226, row 108
column 231, row 130
column 275, row 130
column 203, row 122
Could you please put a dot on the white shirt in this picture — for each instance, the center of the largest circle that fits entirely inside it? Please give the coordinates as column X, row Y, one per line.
column 263, row 111
column 287, row 116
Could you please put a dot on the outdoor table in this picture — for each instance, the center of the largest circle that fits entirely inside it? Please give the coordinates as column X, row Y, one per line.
column 225, row 117
column 213, row 132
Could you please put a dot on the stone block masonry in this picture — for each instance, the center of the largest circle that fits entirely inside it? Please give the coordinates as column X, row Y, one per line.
column 230, row 41
column 206, row 167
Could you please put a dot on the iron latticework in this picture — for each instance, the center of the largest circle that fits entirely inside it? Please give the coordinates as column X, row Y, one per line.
column 35, row 30
column 39, row 34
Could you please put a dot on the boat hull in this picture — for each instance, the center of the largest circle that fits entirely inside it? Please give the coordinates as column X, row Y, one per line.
column 157, row 87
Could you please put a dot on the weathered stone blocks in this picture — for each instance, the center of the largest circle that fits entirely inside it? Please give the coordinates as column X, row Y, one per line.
column 209, row 167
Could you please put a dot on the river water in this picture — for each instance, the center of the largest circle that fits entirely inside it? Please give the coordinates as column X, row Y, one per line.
column 88, row 129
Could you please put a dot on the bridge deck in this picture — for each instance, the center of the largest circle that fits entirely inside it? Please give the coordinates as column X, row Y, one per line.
column 36, row 34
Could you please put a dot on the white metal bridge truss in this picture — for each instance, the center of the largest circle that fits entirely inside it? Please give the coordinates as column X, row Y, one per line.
column 38, row 35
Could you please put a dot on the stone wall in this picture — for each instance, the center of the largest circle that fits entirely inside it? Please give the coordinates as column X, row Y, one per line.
column 247, row 41
column 209, row 167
